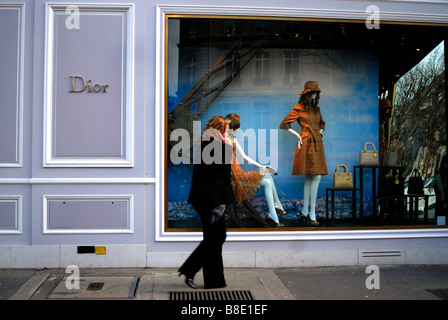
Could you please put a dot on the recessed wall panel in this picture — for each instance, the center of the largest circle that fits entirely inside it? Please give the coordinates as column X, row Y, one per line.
column 89, row 85
column 87, row 214
column 10, row 85
column 10, row 215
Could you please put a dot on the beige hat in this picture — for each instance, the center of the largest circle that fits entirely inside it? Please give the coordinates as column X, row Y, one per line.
column 310, row 86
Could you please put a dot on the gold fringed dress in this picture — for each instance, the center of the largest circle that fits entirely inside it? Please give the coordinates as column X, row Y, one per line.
column 245, row 183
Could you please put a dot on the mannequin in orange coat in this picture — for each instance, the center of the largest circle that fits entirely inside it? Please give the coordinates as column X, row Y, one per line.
column 309, row 159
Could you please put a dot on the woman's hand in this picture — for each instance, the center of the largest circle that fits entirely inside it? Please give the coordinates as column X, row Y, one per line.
column 269, row 170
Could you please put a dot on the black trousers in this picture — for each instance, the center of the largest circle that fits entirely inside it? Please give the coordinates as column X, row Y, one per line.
column 208, row 255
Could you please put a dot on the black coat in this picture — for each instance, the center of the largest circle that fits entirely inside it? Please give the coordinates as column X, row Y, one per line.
column 212, row 182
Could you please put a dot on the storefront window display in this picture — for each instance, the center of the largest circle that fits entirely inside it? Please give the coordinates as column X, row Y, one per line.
column 360, row 81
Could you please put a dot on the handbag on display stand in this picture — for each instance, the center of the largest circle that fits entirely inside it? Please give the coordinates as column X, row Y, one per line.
column 368, row 157
column 390, row 182
column 342, row 179
column 415, row 184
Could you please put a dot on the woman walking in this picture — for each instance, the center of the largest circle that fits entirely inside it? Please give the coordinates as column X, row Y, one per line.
column 211, row 190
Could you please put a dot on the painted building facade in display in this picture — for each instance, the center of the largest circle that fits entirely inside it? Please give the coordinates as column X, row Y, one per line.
column 102, row 102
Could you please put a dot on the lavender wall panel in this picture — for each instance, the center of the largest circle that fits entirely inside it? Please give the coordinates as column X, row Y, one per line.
column 8, row 214
column 88, row 214
column 10, row 77
column 89, row 85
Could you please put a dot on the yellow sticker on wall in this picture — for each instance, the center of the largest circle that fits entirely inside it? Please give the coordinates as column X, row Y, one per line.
column 100, row 250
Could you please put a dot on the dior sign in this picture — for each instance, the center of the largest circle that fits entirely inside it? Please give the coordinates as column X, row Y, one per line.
column 80, row 84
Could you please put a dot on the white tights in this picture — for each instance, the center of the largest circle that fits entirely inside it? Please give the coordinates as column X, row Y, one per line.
column 310, row 195
column 271, row 196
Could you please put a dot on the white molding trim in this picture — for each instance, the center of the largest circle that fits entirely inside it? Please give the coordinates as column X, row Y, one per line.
column 311, row 13
column 18, row 214
column 111, row 181
column 161, row 12
column 127, row 160
column 70, row 197
column 160, row 124
column 92, row 181
column 328, row 235
column 20, row 86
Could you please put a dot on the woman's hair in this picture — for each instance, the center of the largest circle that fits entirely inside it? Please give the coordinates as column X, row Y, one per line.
column 216, row 123
column 234, row 121
column 306, row 99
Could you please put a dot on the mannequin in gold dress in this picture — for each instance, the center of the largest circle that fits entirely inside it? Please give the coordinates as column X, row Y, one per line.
column 247, row 183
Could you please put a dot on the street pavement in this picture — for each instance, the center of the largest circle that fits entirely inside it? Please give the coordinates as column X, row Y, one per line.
column 391, row 282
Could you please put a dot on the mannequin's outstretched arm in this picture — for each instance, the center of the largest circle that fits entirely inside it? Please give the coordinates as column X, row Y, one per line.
column 249, row 160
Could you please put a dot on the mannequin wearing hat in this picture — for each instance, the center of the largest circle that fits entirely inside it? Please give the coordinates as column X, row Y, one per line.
column 309, row 158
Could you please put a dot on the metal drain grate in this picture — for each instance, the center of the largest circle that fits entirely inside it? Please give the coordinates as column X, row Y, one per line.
column 95, row 286
column 212, row 295
column 441, row 293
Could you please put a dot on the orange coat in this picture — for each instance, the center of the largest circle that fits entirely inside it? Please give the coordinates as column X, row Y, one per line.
column 310, row 158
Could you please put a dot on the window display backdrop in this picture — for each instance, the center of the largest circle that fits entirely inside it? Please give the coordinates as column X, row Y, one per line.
column 257, row 70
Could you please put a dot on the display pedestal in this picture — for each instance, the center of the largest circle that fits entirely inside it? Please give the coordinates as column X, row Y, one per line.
column 332, row 191
column 408, row 207
column 361, row 187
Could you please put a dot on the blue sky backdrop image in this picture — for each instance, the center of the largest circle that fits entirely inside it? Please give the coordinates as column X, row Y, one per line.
column 349, row 105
